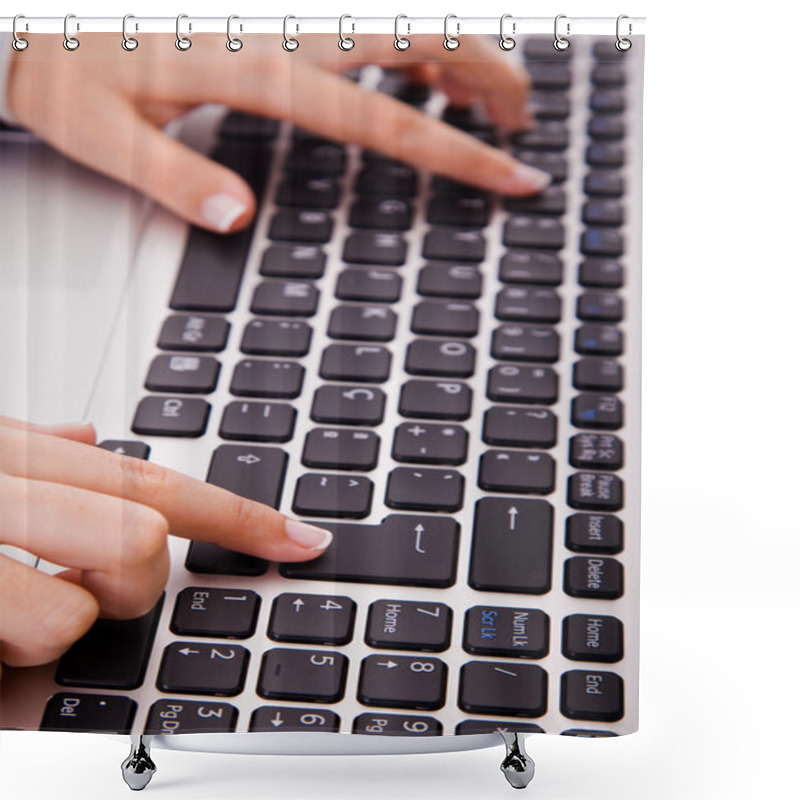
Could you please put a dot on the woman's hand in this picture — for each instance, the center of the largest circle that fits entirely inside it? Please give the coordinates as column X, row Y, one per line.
column 103, row 106
column 106, row 518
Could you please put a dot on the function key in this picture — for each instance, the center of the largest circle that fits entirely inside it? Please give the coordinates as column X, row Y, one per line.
column 430, row 444
column 263, row 378
column 450, row 359
column 519, row 427
column 594, row 533
column 595, row 451
column 347, row 362
column 375, row 247
column 285, row 260
column 126, row 448
column 598, row 578
column 441, row 318
column 503, row 688
column 224, row 613
column 386, row 213
column 301, row 225
column 189, row 716
column 592, row 638
column 595, row 339
column 599, row 411
column 523, row 342
column 320, row 495
column 195, row 668
column 258, row 422
column 435, row 400
column 594, row 491
column 603, row 273
column 171, row 416
column 526, row 230
column 513, row 384
column 530, row 266
column 312, row 619
column 339, row 448
column 592, row 695
column 406, row 625
column 517, row 472
column 186, row 373
column 362, row 323
column 450, row 280
column 307, row 191
column 317, row 676
column 289, row 718
column 285, row 298
column 88, row 713
column 506, row 632
column 276, row 337
column 597, row 306
column 402, row 682
column 454, row 244
column 420, row 489
column 348, row 405
column 396, row 725
column 194, row 332
column 370, row 285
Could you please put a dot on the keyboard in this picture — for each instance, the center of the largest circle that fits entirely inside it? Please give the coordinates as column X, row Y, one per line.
column 447, row 380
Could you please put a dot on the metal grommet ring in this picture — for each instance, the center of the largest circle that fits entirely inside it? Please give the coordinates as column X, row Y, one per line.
column 506, row 42
column 561, row 42
column 70, row 42
column 400, row 42
column 182, row 42
column 451, row 42
column 345, row 42
column 18, row 43
column 623, row 45
column 289, row 44
column 233, row 44
column 129, row 43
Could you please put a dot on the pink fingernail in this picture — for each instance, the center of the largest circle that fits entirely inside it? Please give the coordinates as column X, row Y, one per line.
column 528, row 178
column 220, row 211
column 307, row 535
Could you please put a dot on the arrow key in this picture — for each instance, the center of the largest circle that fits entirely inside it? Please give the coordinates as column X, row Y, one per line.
column 312, row 619
column 286, row 718
column 402, row 682
column 194, row 668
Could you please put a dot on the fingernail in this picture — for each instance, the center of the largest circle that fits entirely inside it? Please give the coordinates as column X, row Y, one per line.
column 528, row 178
column 308, row 535
column 221, row 211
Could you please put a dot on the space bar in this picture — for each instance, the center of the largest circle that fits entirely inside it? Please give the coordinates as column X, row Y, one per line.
column 403, row 550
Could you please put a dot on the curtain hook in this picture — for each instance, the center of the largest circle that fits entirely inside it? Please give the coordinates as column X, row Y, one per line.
column 506, row 42
column 289, row 43
column 345, row 42
column 400, row 42
column 182, row 42
column 71, row 43
column 18, row 43
column 561, row 42
column 623, row 44
column 129, row 43
column 451, row 42
column 234, row 45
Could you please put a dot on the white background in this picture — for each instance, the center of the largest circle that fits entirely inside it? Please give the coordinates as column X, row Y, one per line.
column 721, row 539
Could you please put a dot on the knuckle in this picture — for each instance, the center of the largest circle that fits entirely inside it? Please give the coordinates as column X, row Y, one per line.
column 247, row 515
column 142, row 480
column 144, row 534
column 72, row 615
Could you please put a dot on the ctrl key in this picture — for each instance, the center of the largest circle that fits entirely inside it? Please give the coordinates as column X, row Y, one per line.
column 188, row 716
column 171, row 416
column 88, row 713
column 592, row 695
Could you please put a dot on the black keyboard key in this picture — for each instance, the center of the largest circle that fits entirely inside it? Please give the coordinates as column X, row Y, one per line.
column 267, row 378
column 512, row 545
column 211, row 559
column 539, row 48
column 316, row 676
column 596, row 339
column 308, row 191
column 596, row 451
column 450, row 359
column 312, row 619
column 285, row 260
column 551, row 201
column 419, row 489
column 519, row 427
column 602, row 242
column 473, row 726
column 276, row 337
column 519, row 303
column 389, row 179
column 503, row 688
column 602, row 273
column 608, row 51
column 598, row 411
column 605, row 154
column 454, row 244
column 113, row 654
column 522, row 342
column 603, row 211
column 384, row 213
column 285, row 298
column 543, row 136
column 430, row 444
column 189, row 374
column 362, row 323
column 511, row 383
column 600, row 307
column 606, row 126
column 435, row 400
column 555, row 164
column 526, row 230
column 441, row 318
column 187, row 716
column 551, row 77
column 608, row 74
column 604, row 183
column 316, row 157
column 258, row 422
column 594, row 577
column 550, row 105
column 406, row 625
column 592, row 638
column 126, row 448
column 396, row 725
column 338, row 448
column 88, row 713
column 506, row 632
column 594, row 533
column 171, row 416
column 222, row 613
column 447, row 186
column 468, row 118
column 605, row 101
column 348, row 405
column 402, row 682
column 375, row 247
column 592, row 491
column 370, row 285
column 288, row 718
column 403, row 550
column 530, row 266
column 247, row 157
column 517, row 472
column 595, row 696
column 347, row 362
column 251, row 128
column 319, row 495
column 586, row 733
column 197, row 332
column 468, row 212
column 454, row 280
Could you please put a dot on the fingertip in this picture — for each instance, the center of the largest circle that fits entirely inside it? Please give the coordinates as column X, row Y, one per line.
column 224, row 212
